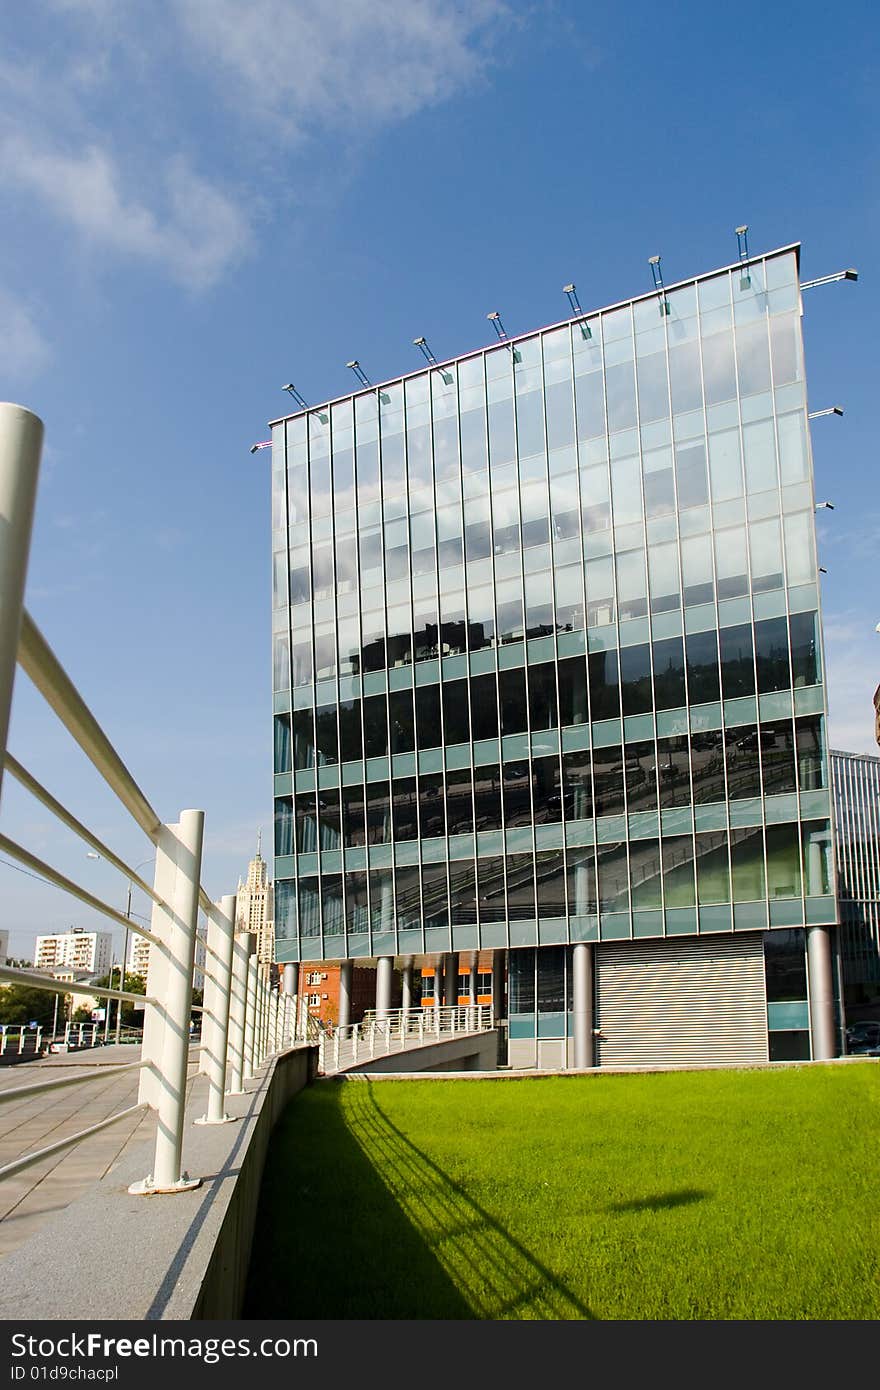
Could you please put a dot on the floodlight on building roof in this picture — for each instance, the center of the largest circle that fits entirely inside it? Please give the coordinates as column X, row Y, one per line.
column 657, row 273
column 742, row 244
column 575, row 305
column 359, row 372
column 291, row 389
column 264, row 444
column 820, row 506
column 829, row 410
column 422, row 345
column 830, row 279
column 495, row 319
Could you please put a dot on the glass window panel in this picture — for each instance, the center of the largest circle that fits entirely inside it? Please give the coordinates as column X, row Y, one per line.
column 353, row 816
column 462, row 892
column 785, row 348
column 725, row 465
column 281, row 663
column 517, row 798
column 653, row 387
column 453, row 626
column 818, row 871
column 550, row 876
column 665, row 582
column 539, row 602
column 572, row 691
column 356, row 919
column 691, row 479
column 459, row 802
column 707, row 766
column 658, row 482
column 570, row 598
column 810, row 741
column 484, row 707
column 285, row 838
column 510, row 610
column 793, row 457
column 309, row 914
column 406, row 820
column 351, row 744
column 783, row 862
column 487, row 797
column 737, row 661
column 435, row 895
column 373, row 639
column 632, row 588
column 589, row 402
column 684, row 376
column 696, row 570
column 560, row 414
column 407, row 887
column 331, row 905
column 620, row 396
column 512, row 687
column 804, row 649
column 731, row 562
column 349, row 646
column 759, row 448
column 777, row 757
column 426, row 628
column 300, row 584
column 641, row 776
column 635, row 679
column 306, row 809
column 701, row 652
column 432, row 805
column 502, row 445
column 428, row 727
column 456, row 720
column 785, row 966
column 626, row 490
column 713, row 870
column 613, row 878
column 743, row 766
column 522, row 981
column 303, row 739
column 645, row 875
column 382, row 899
column 530, row 423
column 604, row 685
column 800, row 556
column 543, row 712
column 678, row 871
column 577, row 782
column 608, row 781
column 747, row 860
column 581, row 875
column 325, row 651
column 771, row 654
column 719, row 367
column 752, row 358
column 520, row 887
column 547, row 790
column 481, row 617
column 673, row 771
column 595, row 498
column 282, row 743
column 375, row 710
column 379, row 831
column 329, row 819
column 599, row 579
column 492, row 905
column 327, row 738
column 765, row 545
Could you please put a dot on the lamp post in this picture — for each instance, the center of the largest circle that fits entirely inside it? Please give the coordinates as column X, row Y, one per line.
column 93, row 854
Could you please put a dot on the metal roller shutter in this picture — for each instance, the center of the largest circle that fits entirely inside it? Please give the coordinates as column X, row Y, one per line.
column 682, row 1001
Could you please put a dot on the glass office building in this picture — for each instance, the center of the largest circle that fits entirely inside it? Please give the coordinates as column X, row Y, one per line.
column 548, row 678
column 856, row 783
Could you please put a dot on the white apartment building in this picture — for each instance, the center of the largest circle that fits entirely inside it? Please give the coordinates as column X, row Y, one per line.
column 139, row 959
column 77, row 950
column 4, row 947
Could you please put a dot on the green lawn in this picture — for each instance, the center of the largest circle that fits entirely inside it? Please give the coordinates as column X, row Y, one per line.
column 741, row 1194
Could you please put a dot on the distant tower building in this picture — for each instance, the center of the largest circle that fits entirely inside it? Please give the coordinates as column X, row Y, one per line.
column 254, row 911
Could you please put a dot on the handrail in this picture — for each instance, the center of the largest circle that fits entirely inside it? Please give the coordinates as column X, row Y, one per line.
column 28, row 1161
column 48, row 982
column 45, row 670
column 96, row 1074
column 40, row 866
column 30, row 783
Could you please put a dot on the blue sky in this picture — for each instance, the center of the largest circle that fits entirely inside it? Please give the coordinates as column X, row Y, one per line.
column 204, row 199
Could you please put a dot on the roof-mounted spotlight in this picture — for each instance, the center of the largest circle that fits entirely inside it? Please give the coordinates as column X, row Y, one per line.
column 495, row 320
column 291, row 389
column 422, row 345
column 820, row 506
column 742, row 244
column 657, row 273
column 830, row 279
column 265, row 444
column 355, row 366
column 575, row 305
column 829, row 410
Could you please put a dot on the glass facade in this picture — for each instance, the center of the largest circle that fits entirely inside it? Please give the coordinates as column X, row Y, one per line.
column 856, row 782
column 546, row 640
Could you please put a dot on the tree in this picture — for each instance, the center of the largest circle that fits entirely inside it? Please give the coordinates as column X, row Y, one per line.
column 25, row 1004
column 134, row 984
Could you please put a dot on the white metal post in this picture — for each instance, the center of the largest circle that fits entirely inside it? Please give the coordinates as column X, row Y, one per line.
column 250, row 1020
column 242, row 948
column 179, row 945
column 215, row 1017
column 21, row 442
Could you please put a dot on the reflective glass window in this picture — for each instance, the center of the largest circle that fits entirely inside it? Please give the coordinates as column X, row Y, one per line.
column 691, row 478
column 701, row 654
column 543, row 713
column 379, row 831
column 407, row 891
column 484, row 706
column 737, row 661
column 487, row 797
column 810, row 744
column 640, row 766
column 747, row 862
column 577, row 782
column 462, row 891
column 428, row 726
column 329, row 818
column 520, row 887
column 303, row 739
column 707, row 765
column 456, row 719
column 818, row 872
column 491, row 894
column 743, row 766
column 668, row 659
column 731, row 562
column 678, row 871
column 550, row 881
column 306, row 810
column 284, row 825
column 375, row 711
column 673, row 771
column 632, row 587
column 512, row 689
column 804, row 649
column 604, row 685
column 459, row 803
column 713, row 868
column 435, row 895
column 546, row 790
column 517, row 799
column 309, row 896
column 635, row 679
column 327, row 736
column 356, row 919
column 432, row 805
column 353, row 816
column 783, row 861
column 613, row 877
column 777, row 757
column 771, row 654
column 281, row 762
column 351, row 743
column 406, row 820
column 645, row 873
column 572, row 691
column 608, row 781
column 581, row 875
column 382, row 899
column 600, row 591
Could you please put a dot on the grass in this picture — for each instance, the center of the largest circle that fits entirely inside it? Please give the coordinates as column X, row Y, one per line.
column 732, row 1195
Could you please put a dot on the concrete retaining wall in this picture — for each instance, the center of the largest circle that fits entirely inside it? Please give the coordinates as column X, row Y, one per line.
column 465, row 1052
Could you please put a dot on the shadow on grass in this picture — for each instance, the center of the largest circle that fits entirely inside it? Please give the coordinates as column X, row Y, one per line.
column 355, row 1221
column 662, row 1201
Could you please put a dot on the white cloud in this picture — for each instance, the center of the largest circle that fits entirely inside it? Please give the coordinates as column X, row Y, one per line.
column 23, row 349
column 195, row 234
column 357, row 65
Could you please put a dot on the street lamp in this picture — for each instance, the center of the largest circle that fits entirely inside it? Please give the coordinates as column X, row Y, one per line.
column 92, row 854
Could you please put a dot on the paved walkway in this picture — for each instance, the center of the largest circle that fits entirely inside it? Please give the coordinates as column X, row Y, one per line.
column 29, row 1198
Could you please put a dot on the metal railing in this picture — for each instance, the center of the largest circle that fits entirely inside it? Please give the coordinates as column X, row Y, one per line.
column 397, row 1031
column 243, row 1021
column 17, row 1041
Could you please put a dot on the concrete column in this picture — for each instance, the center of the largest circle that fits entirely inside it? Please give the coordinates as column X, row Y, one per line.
column 250, row 1019
column 450, row 985
column 472, row 982
column 498, row 965
column 407, row 994
column 582, row 1003
column 346, row 972
column 289, row 979
column 821, row 993
column 21, row 442
column 384, row 970
column 215, row 1016
column 242, row 950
